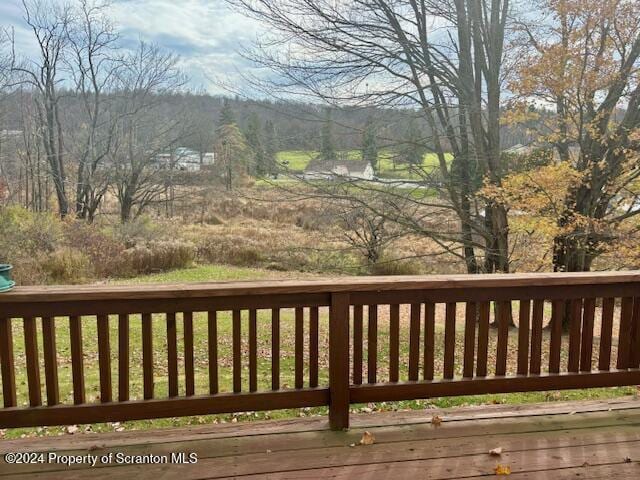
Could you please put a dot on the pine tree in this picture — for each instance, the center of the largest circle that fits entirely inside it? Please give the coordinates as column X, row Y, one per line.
column 270, row 147
column 369, row 144
column 254, row 140
column 327, row 147
column 227, row 117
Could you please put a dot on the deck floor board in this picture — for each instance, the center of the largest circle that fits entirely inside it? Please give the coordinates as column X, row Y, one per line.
column 580, row 440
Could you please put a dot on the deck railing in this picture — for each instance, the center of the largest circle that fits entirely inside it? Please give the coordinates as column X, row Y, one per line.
column 364, row 364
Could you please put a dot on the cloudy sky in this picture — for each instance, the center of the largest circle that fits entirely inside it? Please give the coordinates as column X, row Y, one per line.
column 205, row 33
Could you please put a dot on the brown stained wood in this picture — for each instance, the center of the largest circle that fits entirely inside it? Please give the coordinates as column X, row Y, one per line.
column 172, row 353
column 604, row 358
column 503, row 313
column 77, row 359
column 394, row 342
column 557, row 308
column 104, row 359
column 7, row 367
column 321, row 286
column 575, row 334
column 449, row 340
column 357, row 344
column 414, row 341
column 536, row 337
column 50, row 360
column 586, row 348
column 212, row 350
column 299, row 347
column 429, row 339
column 123, row 357
column 147, row 356
column 275, row 349
column 189, row 368
column 469, row 339
column 253, row 350
column 624, row 337
column 237, row 351
column 483, row 338
column 314, row 347
column 33, row 361
column 372, row 344
column 339, row 362
column 523, row 336
column 634, row 357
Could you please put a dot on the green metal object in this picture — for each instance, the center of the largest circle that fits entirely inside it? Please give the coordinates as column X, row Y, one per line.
column 6, row 283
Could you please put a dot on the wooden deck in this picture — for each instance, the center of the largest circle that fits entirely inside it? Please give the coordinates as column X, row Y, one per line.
column 585, row 440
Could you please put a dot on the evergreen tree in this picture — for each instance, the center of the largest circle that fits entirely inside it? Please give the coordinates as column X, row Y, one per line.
column 227, row 117
column 369, row 144
column 254, row 140
column 327, row 147
column 270, row 147
column 413, row 151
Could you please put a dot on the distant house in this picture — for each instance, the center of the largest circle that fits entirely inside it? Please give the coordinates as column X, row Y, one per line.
column 326, row 169
column 184, row 159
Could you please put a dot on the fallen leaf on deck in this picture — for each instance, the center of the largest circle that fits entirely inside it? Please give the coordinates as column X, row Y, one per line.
column 502, row 470
column 436, row 421
column 367, row 439
column 627, row 460
column 496, row 451
column 72, row 429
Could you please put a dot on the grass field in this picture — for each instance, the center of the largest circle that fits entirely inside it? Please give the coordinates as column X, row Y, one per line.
column 297, row 160
column 208, row 273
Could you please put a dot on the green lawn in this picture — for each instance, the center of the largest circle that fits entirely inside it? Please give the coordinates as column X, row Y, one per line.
column 215, row 272
column 297, row 161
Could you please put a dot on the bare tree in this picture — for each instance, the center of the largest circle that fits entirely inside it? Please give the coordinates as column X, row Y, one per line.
column 442, row 58
column 144, row 129
column 50, row 23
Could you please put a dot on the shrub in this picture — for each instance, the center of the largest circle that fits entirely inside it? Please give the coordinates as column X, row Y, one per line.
column 140, row 231
column 156, row 257
column 102, row 249
column 68, row 266
column 387, row 266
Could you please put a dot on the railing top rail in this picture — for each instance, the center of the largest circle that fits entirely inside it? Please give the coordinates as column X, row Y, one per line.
column 316, row 286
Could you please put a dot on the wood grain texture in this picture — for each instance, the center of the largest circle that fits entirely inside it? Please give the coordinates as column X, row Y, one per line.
column 483, row 338
column 33, row 361
column 604, row 359
column 414, row 341
column 237, row 351
column 7, row 366
column 147, row 356
column 299, row 348
column 253, row 350
column 372, row 344
column 394, row 342
column 357, row 344
column 275, row 349
column 429, row 339
column 339, row 362
column 77, row 359
column 314, row 347
column 123, row 357
column 449, row 340
column 172, row 353
column 469, row 339
column 51, row 360
column 189, row 367
column 212, row 350
column 523, row 336
column 536, row 337
column 104, row 359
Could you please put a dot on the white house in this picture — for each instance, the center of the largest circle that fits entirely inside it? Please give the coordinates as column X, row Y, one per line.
column 184, row 159
column 327, row 169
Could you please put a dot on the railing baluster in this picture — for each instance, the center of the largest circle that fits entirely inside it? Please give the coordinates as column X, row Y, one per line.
column 624, row 336
column 123, row 357
column 7, row 363
column 555, row 343
column 634, row 357
column 429, row 340
column 172, row 353
column 449, row 339
column 536, row 337
column 253, row 350
column 189, row 369
column 275, row 349
column 299, row 347
column 586, row 349
column 483, row 338
column 414, row 342
column 372, row 344
column 394, row 342
column 606, row 327
column 104, row 358
column 503, row 314
column 77, row 359
column 50, row 360
column 33, row 367
column 237, row 351
column 314, row 338
column 523, row 337
column 575, row 332
column 357, row 344
column 147, row 355
column 212, row 344
column 469, row 339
